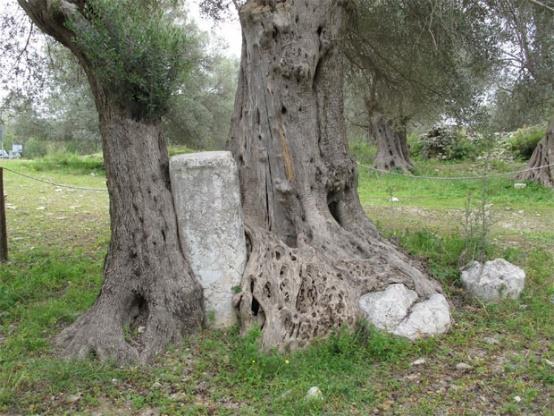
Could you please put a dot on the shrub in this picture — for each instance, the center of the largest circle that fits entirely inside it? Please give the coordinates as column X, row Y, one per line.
column 524, row 141
column 34, row 148
column 70, row 162
column 446, row 144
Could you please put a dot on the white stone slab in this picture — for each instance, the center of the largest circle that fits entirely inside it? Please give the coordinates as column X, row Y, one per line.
column 206, row 192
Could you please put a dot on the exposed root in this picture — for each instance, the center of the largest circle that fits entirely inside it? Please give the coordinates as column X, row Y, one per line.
column 298, row 294
column 132, row 328
column 96, row 334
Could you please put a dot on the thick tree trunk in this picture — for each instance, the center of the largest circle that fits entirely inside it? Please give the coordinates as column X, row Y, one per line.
column 149, row 297
column 313, row 252
column 392, row 145
column 541, row 164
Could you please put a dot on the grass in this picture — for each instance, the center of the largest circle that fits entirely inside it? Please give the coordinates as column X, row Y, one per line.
column 58, row 238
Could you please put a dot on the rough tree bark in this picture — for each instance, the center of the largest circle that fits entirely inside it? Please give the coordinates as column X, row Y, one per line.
column 148, row 283
column 313, row 252
column 392, row 144
column 542, row 161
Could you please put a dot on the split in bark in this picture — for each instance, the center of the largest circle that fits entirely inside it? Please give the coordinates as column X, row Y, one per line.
column 541, row 164
column 148, row 284
column 313, row 251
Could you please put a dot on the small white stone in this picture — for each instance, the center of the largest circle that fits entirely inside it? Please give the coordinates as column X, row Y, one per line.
column 463, row 367
column 419, row 361
column 491, row 340
column 314, row 394
column 141, row 329
column 394, row 199
column 517, row 399
column 497, row 279
column 74, row 398
column 520, row 185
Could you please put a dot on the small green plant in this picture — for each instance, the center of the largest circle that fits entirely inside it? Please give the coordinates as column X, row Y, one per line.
column 478, row 219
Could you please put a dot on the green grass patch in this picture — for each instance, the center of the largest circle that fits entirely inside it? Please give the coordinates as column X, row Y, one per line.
column 58, row 239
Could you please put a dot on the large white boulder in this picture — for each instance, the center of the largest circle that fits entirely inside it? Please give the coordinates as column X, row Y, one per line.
column 494, row 280
column 397, row 310
column 207, row 202
column 427, row 318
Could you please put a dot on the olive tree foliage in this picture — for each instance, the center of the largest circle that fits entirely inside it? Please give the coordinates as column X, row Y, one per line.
column 525, row 93
column 62, row 114
column 418, row 60
column 50, row 93
column 201, row 107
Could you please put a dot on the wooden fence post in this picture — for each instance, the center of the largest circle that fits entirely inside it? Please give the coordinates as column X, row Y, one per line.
column 3, row 228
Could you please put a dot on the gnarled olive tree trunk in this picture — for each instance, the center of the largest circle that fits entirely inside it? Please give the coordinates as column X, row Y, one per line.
column 313, row 252
column 541, row 164
column 392, row 144
column 149, row 297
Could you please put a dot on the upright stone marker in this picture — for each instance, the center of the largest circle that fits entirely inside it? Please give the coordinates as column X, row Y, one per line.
column 209, row 213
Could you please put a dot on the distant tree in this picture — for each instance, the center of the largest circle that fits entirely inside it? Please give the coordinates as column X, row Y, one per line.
column 416, row 60
column 526, row 86
column 131, row 53
column 525, row 83
column 201, row 108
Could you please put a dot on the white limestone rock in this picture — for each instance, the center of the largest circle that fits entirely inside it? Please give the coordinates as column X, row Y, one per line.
column 314, row 394
column 397, row 311
column 388, row 308
column 206, row 192
column 495, row 280
column 429, row 317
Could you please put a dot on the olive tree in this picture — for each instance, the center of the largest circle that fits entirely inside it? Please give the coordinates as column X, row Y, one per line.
column 416, row 60
column 313, row 251
column 131, row 52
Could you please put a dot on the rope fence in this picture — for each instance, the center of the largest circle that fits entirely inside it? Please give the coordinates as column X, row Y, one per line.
column 386, row 172
column 455, row 178
column 57, row 185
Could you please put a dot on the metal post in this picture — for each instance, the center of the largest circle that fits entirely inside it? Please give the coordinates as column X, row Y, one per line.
column 3, row 228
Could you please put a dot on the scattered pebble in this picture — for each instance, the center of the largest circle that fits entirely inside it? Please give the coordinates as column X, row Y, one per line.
column 41, row 208
column 520, row 185
column 141, row 329
column 463, row 367
column 517, row 399
column 491, row 340
column 394, row 199
column 419, row 361
column 314, row 394
column 74, row 398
